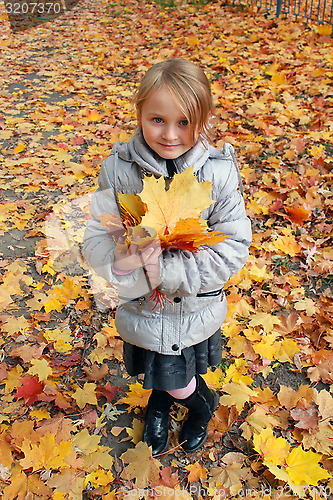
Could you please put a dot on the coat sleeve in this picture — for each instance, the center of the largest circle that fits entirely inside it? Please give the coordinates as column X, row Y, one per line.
column 190, row 273
column 98, row 244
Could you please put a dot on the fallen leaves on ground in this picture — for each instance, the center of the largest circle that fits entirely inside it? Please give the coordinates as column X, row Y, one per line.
column 65, row 100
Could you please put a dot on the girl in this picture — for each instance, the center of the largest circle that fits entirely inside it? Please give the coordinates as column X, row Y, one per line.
column 174, row 344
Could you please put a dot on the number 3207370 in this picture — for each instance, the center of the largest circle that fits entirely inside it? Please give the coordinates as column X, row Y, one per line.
column 33, row 8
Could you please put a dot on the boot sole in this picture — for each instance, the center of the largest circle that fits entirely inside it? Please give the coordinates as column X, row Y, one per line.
column 165, row 449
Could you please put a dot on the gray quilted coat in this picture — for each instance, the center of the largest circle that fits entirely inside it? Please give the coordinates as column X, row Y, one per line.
column 192, row 281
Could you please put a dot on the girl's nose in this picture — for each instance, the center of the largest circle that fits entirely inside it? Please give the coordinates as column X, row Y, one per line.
column 169, row 133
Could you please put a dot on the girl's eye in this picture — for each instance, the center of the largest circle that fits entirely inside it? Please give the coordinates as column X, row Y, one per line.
column 157, row 120
column 184, row 123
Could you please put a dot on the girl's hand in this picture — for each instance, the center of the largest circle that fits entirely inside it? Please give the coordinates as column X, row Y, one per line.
column 134, row 258
column 153, row 269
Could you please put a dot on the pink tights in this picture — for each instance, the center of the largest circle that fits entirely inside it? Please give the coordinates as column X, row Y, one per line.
column 184, row 392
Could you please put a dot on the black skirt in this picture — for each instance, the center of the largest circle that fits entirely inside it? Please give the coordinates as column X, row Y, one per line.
column 168, row 372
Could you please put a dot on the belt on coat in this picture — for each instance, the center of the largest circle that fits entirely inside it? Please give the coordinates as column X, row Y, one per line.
column 214, row 293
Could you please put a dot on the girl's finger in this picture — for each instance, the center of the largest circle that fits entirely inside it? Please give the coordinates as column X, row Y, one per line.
column 133, row 247
column 155, row 253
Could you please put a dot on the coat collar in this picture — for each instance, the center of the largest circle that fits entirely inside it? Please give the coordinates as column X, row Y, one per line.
column 138, row 150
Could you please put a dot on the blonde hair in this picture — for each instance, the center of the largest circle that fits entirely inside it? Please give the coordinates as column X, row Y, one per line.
column 188, row 84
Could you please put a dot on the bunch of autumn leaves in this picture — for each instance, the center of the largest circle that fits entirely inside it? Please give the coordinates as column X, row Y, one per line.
column 168, row 217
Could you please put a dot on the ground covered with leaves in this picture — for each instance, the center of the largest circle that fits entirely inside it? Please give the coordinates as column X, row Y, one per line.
column 70, row 417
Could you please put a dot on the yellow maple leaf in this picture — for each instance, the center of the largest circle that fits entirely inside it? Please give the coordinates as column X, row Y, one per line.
column 63, row 294
column 185, row 198
column 287, row 244
column 192, row 40
column 303, row 467
column 19, row 148
column 136, row 430
column 132, row 208
column 99, row 458
column 61, row 339
column 41, row 368
column 53, row 304
column 267, row 321
column 265, row 348
column 57, row 495
column 285, row 350
column 136, row 396
column 15, row 325
column 258, row 419
column 99, row 478
column 307, row 305
column 238, row 395
column 112, row 351
column 109, row 330
column 48, row 268
column 70, row 289
column 13, row 379
column 5, row 297
column 86, row 443
column 18, row 486
column 239, row 306
column 46, row 454
column 238, row 371
column 214, row 378
column 324, row 29
column 40, row 414
column 279, row 78
column 196, row 472
column 61, row 155
column 5, row 451
column 86, row 395
column 141, row 465
column 69, row 484
column 317, row 151
column 259, row 274
column 240, row 346
column 274, row 450
column 229, row 476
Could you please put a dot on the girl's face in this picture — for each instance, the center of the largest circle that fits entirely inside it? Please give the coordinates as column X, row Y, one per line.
column 164, row 126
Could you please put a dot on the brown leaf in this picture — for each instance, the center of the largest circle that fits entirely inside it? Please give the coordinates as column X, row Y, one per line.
column 95, row 373
column 169, row 478
column 306, row 416
column 223, row 419
column 323, row 371
column 289, row 398
column 28, row 352
column 108, row 391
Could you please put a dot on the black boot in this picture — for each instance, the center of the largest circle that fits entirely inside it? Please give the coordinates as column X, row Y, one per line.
column 201, row 404
column 155, row 431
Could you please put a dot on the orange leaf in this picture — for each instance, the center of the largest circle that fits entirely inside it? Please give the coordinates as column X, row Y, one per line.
column 196, row 472
column 297, row 214
column 93, row 115
column 20, row 147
